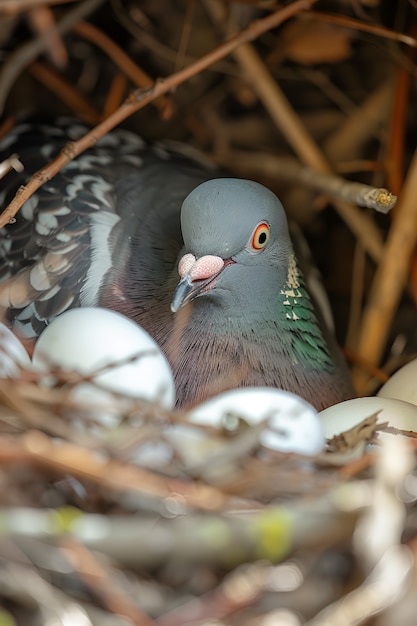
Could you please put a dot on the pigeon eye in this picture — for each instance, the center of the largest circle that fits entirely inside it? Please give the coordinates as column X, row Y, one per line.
column 260, row 237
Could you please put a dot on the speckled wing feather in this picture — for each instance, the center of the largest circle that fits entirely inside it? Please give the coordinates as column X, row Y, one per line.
column 69, row 237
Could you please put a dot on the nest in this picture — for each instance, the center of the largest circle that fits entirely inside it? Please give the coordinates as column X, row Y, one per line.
column 118, row 523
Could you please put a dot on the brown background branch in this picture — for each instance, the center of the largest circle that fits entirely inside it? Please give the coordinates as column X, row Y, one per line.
column 139, row 99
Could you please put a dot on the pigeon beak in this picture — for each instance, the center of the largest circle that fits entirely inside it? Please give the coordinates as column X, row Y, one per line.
column 188, row 290
column 197, row 277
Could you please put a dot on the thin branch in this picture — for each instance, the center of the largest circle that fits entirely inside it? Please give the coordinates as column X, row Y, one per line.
column 28, row 52
column 356, row 298
column 391, row 276
column 140, row 98
column 372, row 370
column 42, row 22
column 115, row 95
column 185, row 35
column 374, row 29
column 241, row 589
column 64, row 90
column 11, row 7
column 37, row 448
column 12, row 163
column 360, row 194
column 119, row 58
column 347, row 141
column 267, row 89
column 291, row 126
column 397, row 134
column 96, row 575
column 222, row 539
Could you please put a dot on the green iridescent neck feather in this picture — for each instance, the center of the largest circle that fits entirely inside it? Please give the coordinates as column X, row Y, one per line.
column 299, row 320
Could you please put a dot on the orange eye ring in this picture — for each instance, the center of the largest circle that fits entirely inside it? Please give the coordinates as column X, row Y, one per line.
column 260, row 237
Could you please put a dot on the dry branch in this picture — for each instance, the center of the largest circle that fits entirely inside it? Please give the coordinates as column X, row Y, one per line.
column 349, row 22
column 12, row 163
column 10, row 7
column 260, row 163
column 214, row 540
column 119, row 58
column 77, row 461
column 65, row 91
column 291, row 126
column 391, row 275
column 23, row 56
column 140, row 98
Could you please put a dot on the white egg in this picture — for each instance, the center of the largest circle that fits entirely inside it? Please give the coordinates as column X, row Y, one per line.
column 292, row 425
column 87, row 339
column 13, row 355
column 345, row 415
column 402, row 385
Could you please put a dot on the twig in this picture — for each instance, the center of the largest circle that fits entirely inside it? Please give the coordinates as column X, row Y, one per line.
column 386, row 584
column 360, row 194
column 240, row 589
column 7, row 126
column 359, row 165
column 335, row 94
column 37, row 448
column 382, row 525
column 356, row 299
column 185, row 35
column 391, row 275
column 396, row 149
column 364, row 364
column 11, row 7
column 291, row 126
column 140, row 98
column 377, row 539
column 12, row 163
column 357, row 466
column 52, row 605
column 274, row 100
column 94, row 573
column 350, row 22
column 132, row 21
column 65, row 91
column 31, row 406
column 243, row 534
column 115, row 95
column 346, row 141
column 42, row 22
column 119, row 58
column 27, row 53
column 283, row 167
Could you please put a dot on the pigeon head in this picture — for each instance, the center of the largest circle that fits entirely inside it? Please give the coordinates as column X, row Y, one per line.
column 235, row 235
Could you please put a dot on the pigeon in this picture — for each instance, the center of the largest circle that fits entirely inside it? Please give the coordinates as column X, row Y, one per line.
column 203, row 262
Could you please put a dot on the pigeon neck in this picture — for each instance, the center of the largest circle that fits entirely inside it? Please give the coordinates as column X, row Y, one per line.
column 297, row 316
